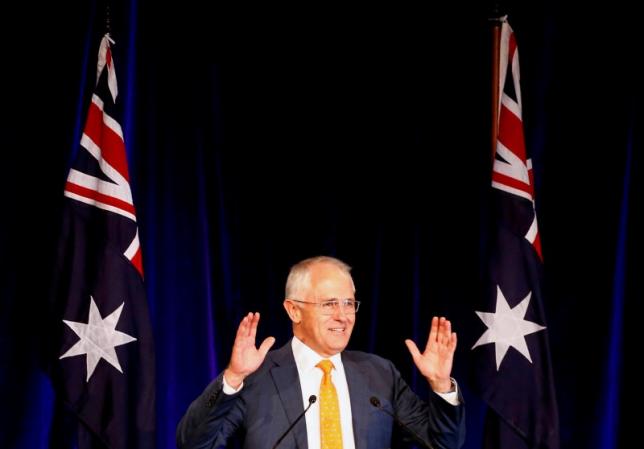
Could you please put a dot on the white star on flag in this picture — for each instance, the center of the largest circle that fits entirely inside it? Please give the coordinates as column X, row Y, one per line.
column 98, row 337
column 506, row 327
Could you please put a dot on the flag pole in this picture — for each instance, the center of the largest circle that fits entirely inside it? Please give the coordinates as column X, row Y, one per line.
column 496, row 20
column 108, row 27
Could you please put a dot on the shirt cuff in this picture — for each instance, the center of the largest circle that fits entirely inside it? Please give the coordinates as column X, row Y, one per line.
column 450, row 396
column 230, row 390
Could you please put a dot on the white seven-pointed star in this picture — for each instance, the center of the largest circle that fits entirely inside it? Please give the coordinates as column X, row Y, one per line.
column 506, row 327
column 98, row 338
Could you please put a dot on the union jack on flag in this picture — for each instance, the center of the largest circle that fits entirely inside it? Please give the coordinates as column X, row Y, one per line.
column 512, row 169
column 103, row 140
column 103, row 352
column 514, row 374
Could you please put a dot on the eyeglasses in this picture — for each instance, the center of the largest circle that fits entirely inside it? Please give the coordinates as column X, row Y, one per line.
column 331, row 306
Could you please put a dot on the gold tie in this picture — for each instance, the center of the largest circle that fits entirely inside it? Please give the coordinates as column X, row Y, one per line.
column 330, row 430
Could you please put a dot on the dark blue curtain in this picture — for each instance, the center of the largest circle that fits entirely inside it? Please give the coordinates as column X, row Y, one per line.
column 362, row 138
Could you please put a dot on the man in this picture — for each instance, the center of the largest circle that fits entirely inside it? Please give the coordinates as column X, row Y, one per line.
column 262, row 393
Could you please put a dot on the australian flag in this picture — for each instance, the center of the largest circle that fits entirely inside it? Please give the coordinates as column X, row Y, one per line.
column 103, row 353
column 513, row 368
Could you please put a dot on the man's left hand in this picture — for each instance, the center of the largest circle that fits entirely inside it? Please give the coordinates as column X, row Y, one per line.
column 436, row 362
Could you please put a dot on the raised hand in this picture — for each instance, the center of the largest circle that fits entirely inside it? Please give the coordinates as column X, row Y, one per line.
column 435, row 363
column 246, row 357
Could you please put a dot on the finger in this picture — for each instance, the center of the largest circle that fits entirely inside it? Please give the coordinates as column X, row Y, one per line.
column 246, row 325
column 453, row 341
column 433, row 333
column 442, row 340
column 450, row 334
column 253, row 326
column 413, row 349
column 266, row 345
column 445, row 331
column 249, row 323
column 448, row 327
column 242, row 330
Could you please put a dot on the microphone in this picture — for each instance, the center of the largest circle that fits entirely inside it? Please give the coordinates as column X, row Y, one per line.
column 312, row 400
column 376, row 403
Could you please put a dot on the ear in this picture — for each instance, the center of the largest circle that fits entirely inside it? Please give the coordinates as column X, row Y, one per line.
column 293, row 311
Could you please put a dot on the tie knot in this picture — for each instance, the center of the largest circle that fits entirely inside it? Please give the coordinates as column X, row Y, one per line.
column 326, row 366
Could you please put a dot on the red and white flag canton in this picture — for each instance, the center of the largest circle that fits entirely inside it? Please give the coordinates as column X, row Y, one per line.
column 512, row 169
column 109, row 189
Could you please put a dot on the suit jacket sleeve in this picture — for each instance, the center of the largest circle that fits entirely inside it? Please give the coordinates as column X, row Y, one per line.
column 211, row 418
column 437, row 421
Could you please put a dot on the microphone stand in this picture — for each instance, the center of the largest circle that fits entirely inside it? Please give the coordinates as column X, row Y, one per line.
column 312, row 400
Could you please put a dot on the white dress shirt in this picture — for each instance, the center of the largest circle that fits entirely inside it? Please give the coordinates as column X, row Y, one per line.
column 310, row 379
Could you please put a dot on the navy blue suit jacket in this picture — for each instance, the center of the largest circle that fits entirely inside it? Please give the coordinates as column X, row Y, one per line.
column 271, row 400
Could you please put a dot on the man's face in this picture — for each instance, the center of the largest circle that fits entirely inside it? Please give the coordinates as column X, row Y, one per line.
column 326, row 334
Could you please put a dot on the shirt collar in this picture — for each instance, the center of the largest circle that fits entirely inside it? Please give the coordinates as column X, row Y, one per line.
column 306, row 358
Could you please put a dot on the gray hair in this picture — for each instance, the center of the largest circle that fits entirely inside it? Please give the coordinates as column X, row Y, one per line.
column 299, row 278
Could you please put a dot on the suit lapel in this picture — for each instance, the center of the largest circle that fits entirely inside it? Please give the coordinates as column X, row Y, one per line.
column 287, row 382
column 359, row 394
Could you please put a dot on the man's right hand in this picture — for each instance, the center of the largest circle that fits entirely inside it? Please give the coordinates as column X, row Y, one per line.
column 246, row 358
